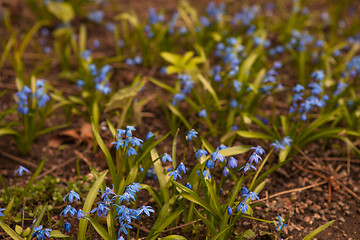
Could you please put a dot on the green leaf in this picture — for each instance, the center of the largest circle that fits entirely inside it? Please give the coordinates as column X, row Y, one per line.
column 162, row 178
column 172, row 58
column 99, row 229
column 90, row 198
column 175, row 111
column 39, row 218
column 62, row 10
column 213, row 196
column 318, row 230
column 107, row 154
column 116, row 101
column 248, row 234
column 207, row 145
column 160, row 226
column 258, row 135
column 153, row 193
column 163, row 85
column 173, row 237
column 58, row 234
column 9, row 231
column 210, row 89
column 210, row 226
column 231, row 151
column 221, row 232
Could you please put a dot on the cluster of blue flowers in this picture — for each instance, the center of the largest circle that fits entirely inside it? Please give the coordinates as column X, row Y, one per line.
column 99, row 77
column 153, row 19
column 316, row 98
column 129, row 142
column 213, row 13
column 254, row 157
column 134, row 61
column 41, row 233
column 281, row 145
column 24, row 96
column 270, row 79
column 186, row 85
column 299, row 40
column 71, row 196
column 96, row 16
column 243, row 206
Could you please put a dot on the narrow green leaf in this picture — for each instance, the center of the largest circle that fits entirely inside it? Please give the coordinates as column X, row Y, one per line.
column 175, row 111
column 159, row 228
column 208, row 224
column 90, row 198
column 39, row 218
column 318, row 230
column 221, row 232
column 107, row 154
column 258, row 135
column 10, row 231
column 162, row 178
column 58, row 234
column 236, row 150
column 213, row 196
column 210, row 89
column 99, row 229
column 163, row 85
column 173, row 237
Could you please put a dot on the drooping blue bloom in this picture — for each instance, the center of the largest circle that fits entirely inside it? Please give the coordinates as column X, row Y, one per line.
column 277, row 145
column 67, row 226
column 200, row 153
column 216, row 156
column 22, row 100
column 229, row 210
column 166, row 157
column 71, row 195
column 244, row 191
column 149, row 135
column 130, row 152
column 181, row 168
column 232, row 162
column 108, row 194
column 254, row 158
column 225, row 172
column 203, row 113
column 191, row 134
column 80, row 214
column 318, row 75
column 206, row 174
column 286, row 141
column 340, row 88
column 175, row 174
column 145, row 209
column 247, row 167
column 209, row 164
column 80, row 83
column 101, row 209
column 69, row 209
column 243, row 207
column 188, row 185
column 258, row 150
column 41, row 233
column 221, row 147
column 21, row 170
column 1, row 210
column 96, row 16
column 252, row 196
column 280, row 223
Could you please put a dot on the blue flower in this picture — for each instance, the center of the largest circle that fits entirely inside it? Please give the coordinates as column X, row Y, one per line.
column 149, row 135
column 41, row 233
column 232, row 162
column 68, row 209
column 209, row 164
column 225, row 172
column 243, row 207
column 130, row 152
column 175, row 174
column 203, row 113
column 254, row 158
column 21, row 170
column 286, row 141
column 318, row 75
column 80, row 214
column 258, row 150
column 216, row 156
column 101, row 209
column 229, row 210
column 1, row 210
column 200, row 153
column 166, row 157
column 123, row 228
column 191, row 134
column 244, row 191
column 107, row 194
column 22, row 100
column 67, row 226
column 145, row 209
column 280, row 223
column 247, row 167
column 188, row 185
column 277, row 145
column 206, row 174
column 252, row 196
column 71, row 195
column 181, row 168
column 96, row 16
